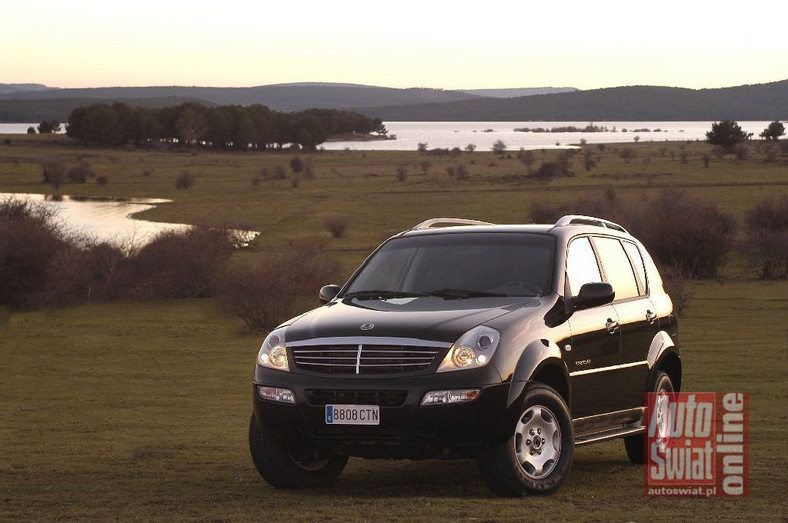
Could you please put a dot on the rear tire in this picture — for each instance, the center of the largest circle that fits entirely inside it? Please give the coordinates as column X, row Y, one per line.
column 538, row 455
column 292, row 465
column 636, row 445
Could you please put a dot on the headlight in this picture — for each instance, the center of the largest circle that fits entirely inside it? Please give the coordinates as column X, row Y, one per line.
column 273, row 353
column 474, row 349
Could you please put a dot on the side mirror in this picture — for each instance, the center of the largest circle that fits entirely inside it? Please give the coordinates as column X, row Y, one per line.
column 593, row 295
column 328, row 293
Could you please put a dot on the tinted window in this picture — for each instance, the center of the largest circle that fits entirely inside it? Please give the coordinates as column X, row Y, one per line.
column 617, row 268
column 506, row 263
column 637, row 262
column 581, row 265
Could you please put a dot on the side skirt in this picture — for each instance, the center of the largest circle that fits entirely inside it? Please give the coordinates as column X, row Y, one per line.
column 602, row 427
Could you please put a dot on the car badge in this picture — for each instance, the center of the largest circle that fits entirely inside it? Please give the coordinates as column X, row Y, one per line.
column 368, row 326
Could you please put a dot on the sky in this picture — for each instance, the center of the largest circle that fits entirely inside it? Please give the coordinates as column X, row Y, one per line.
column 394, row 43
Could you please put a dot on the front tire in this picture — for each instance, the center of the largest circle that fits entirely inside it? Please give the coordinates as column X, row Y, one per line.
column 292, row 465
column 538, row 455
column 636, row 445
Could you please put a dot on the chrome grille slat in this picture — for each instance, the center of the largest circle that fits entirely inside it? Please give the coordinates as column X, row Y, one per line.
column 363, row 359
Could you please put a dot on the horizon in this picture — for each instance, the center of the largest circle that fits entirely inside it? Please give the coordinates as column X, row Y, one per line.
column 510, row 45
column 54, row 87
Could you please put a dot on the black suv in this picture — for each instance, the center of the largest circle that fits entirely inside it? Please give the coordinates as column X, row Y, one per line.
column 509, row 344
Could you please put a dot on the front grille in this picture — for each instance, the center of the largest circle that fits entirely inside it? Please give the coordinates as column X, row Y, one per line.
column 363, row 359
column 384, row 398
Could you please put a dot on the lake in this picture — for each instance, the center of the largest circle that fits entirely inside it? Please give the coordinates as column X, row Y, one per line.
column 484, row 134
column 103, row 219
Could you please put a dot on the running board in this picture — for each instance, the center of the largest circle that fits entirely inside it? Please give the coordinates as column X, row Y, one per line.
column 604, row 435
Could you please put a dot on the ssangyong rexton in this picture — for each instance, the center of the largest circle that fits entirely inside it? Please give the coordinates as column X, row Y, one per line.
column 508, row 344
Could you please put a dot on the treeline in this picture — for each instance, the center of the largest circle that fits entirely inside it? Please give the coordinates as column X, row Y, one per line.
column 224, row 127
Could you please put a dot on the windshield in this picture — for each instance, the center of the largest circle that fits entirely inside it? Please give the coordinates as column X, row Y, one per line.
column 457, row 265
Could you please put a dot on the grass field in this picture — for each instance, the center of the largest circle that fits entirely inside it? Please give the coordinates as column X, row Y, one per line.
column 139, row 410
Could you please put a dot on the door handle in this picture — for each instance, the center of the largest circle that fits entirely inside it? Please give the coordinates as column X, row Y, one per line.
column 612, row 326
column 651, row 317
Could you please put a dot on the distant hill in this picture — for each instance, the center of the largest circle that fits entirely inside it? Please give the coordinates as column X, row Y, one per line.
column 518, row 91
column 34, row 102
column 278, row 97
column 637, row 103
column 21, row 88
column 34, row 111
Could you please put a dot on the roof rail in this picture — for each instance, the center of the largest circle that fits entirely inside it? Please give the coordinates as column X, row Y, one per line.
column 443, row 222
column 579, row 219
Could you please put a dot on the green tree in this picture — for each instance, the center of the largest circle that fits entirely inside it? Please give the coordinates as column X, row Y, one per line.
column 774, row 131
column 727, row 134
column 49, row 127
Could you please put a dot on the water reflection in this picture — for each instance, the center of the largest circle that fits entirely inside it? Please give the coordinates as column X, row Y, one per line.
column 108, row 219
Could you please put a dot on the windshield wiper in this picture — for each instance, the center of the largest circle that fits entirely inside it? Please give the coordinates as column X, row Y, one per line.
column 382, row 295
column 461, row 294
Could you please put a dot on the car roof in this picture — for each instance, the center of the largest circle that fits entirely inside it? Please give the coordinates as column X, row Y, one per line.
column 567, row 225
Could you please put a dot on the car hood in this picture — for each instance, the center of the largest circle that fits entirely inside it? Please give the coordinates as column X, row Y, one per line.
column 429, row 318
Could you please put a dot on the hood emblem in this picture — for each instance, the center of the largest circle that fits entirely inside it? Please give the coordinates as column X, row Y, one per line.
column 368, row 326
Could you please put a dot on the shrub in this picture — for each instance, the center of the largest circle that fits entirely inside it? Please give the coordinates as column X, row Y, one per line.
column 336, row 225
column 184, row 180
column 29, row 241
column 270, row 291
column 402, row 173
column 627, row 154
column 179, row 264
column 679, row 229
column 297, row 164
column 54, row 173
column 549, row 170
column 679, row 285
column 79, row 275
column 80, row 173
column 457, row 172
column 766, row 243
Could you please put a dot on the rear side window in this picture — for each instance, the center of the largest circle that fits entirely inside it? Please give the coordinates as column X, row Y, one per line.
column 637, row 263
column 581, row 265
column 617, row 267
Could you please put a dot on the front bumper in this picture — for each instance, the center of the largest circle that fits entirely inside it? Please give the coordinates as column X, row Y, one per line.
column 406, row 429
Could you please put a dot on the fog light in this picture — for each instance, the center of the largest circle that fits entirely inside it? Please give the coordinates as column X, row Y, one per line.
column 278, row 394
column 445, row 397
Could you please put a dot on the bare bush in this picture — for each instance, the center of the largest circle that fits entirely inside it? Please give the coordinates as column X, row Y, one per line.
column 336, row 225
column 179, row 264
column 264, row 294
column 297, row 164
column 81, row 172
column 766, row 243
column 54, row 173
column 184, row 180
column 402, row 172
column 680, row 230
column 457, row 172
column 28, row 242
column 679, row 285
column 627, row 154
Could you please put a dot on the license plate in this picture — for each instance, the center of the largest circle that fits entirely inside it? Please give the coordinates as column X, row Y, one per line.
column 352, row 415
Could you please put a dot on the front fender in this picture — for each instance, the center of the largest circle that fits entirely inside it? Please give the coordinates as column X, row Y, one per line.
column 536, row 356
